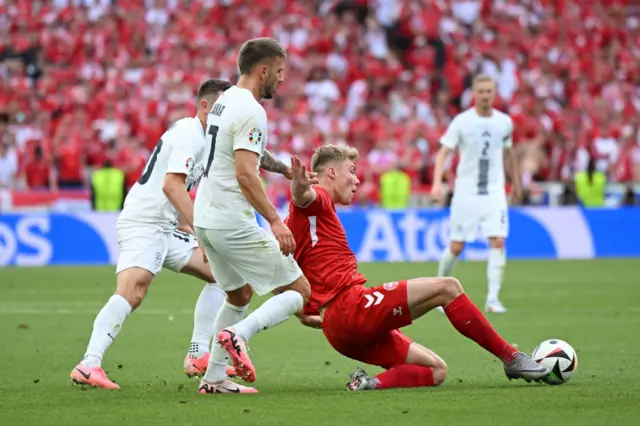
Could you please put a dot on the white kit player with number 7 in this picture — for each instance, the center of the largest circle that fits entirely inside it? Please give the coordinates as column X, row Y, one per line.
column 243, row 256
column 482, row 135
column 151, row 238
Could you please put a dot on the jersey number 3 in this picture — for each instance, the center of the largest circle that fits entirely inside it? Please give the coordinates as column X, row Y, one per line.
column 213, row 131
column 151, row 164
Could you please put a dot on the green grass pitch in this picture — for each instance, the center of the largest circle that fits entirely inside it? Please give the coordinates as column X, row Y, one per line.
column 46, row 316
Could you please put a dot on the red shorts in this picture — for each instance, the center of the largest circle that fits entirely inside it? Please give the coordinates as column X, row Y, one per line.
column 362, row 323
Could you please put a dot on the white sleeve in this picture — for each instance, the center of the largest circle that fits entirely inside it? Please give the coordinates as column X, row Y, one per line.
column 184, row 148
column 507, row 141
column 251, row 132
column 451, row 137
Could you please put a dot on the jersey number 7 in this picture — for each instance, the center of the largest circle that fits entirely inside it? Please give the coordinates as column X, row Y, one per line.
column 213, row 131
column 151, row 164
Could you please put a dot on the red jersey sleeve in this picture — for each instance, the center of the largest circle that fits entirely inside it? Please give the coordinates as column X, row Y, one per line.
column 321, row 202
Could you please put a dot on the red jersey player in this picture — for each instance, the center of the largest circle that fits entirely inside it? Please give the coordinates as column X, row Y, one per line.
column 363, row 323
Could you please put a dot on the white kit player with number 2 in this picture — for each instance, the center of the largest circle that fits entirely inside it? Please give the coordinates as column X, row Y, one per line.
column 150, row 239
column 481, row 135
column 243, row 256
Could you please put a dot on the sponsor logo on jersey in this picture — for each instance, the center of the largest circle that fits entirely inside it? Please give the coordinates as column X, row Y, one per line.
column 190, row 163
column 397, row 311
column 390, row 286
column 255, row 136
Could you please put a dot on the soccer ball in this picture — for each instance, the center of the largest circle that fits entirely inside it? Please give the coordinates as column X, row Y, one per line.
column 559, row 357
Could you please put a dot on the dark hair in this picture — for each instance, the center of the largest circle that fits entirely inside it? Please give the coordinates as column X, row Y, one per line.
column 258, row 50
column 212, row 87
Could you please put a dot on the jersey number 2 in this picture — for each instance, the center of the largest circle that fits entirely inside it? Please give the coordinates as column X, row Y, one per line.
column 151, row 164
column 213, row 131
column 483, row 171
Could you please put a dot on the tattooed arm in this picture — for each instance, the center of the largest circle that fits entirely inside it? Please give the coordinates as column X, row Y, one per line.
column 271, row 164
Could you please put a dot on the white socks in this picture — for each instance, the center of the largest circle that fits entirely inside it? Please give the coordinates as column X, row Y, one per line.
column 274, row 311
column 106, row 327
column 227, row 316
column 447, row 262
column 207, row 307
column 495, row 269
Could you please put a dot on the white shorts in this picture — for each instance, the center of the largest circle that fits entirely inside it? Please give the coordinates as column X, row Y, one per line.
column 247, row 256
column 152, row 249
column 490, row 213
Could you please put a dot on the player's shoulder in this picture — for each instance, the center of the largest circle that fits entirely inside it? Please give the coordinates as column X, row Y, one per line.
column 502, row 116
column 242, row 102
column 464, row 116
column 183, row 126
column 323, row 198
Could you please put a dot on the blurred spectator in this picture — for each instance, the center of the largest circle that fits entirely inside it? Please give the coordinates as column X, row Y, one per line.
column 39, row 172
column 8, row 166
column 108, row 188
column 8, row 156
column 384, row 75
column 395, row 189
column 629, row 198
column 569, row 197
column 590, row 185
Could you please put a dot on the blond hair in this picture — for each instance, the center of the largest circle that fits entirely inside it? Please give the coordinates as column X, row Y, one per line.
column 328, row 153
column 482, row 78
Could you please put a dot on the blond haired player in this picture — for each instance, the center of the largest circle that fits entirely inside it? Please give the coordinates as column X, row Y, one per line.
column 482, row 135
column 363, row 322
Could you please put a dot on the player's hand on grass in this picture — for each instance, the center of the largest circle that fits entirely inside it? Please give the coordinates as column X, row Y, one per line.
column 300, row 173
column 284, row 237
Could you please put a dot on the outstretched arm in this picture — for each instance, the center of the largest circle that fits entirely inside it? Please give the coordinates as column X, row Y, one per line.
column 272, row 164
column 301, row 185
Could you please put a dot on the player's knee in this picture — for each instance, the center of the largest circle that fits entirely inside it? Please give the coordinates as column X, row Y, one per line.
column 134, row 293
column 241, row 296
column 496, row 242
column 451, row 288
column 456, row 247
column 439, row 373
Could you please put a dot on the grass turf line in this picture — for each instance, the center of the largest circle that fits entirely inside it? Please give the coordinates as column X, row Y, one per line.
column 46, row 316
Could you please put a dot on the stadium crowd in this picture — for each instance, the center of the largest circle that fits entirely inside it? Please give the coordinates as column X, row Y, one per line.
column 85, row 81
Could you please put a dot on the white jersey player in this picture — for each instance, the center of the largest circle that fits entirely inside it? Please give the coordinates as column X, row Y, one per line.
column 481, row 135
column 149, row 239
column 244, row 256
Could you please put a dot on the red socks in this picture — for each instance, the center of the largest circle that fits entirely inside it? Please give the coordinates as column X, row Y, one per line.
column 405, row 376
column 471, row 323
